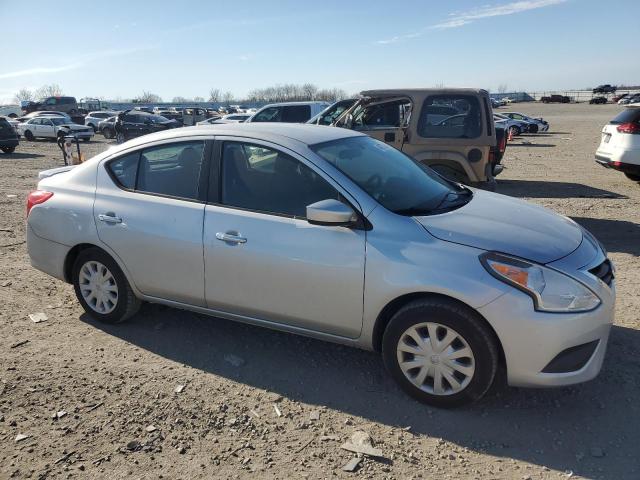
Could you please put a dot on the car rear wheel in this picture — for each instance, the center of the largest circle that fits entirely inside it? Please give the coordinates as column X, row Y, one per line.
column 440, row 353
column 29, row 136
column 101, row 287
column 633, row 176
column 8, row 149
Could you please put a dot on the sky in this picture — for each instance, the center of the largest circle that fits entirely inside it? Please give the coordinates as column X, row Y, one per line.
column 185, row 48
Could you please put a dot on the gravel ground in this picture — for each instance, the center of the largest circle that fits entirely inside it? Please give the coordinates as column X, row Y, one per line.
column 262, row 404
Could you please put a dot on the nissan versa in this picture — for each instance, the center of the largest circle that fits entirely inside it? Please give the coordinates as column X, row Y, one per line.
column 330, row 233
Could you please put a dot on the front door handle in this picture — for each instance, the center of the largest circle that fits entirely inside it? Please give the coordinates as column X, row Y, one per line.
column 109, row 218
column 230, row 237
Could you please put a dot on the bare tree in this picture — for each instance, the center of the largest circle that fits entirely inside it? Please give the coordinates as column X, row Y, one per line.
column 502, row 88
column 227, row 97
column 309, row 90
column 214, row 95
column 180, row 100
column 148, row 97
column 24, row 94
column 53, row 90
column 198, row 99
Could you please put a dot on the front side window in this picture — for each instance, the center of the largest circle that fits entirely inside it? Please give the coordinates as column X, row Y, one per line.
column 271, row 114
column 266, row 180
column 393, row 114
column 172, row 170
column 450, row 116
column 50, row 101
column 396, row 181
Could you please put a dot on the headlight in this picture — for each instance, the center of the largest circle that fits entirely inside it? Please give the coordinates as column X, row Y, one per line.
column 550, row 290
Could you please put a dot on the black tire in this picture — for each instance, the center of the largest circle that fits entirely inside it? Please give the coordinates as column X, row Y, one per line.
column 516, row 130
column 8, row 149
column 93, row 126
column 451, row 173
column 633, row 176
column 468, row 324
column 126, row 305
column 533, row 128
column 107, row 132
column 13, row 115
column 29, row 136
column 86, row 139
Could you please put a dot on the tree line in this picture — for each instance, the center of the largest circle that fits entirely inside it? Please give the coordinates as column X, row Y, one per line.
column 288, row 92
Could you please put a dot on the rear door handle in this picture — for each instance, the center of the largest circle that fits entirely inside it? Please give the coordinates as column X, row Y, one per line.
column 230, row 238
column 109, row 218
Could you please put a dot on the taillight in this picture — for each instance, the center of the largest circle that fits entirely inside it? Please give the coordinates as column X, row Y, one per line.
column 629, row 127
column 37, row 197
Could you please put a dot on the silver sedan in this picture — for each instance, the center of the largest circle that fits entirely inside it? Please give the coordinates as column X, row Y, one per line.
column 329, row 233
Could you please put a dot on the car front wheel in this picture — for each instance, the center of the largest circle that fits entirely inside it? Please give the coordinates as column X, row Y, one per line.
column 29, row 136
column 8, row 149
column 101, row 287
column 440, row 353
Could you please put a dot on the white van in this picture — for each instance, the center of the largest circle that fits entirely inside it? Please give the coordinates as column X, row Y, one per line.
column 288, row 112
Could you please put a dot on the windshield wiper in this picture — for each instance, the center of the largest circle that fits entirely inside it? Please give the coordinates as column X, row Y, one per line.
column 450, row 201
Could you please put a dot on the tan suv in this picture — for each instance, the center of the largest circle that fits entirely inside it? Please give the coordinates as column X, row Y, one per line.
column 451, row 130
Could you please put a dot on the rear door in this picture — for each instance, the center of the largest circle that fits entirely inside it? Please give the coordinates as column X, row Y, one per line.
column 149, row 210
column 263, row 259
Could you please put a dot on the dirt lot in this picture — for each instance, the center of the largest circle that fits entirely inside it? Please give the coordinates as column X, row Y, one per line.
column 116, row 383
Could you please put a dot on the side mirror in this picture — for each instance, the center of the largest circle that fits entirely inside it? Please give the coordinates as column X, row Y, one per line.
column 330, row 212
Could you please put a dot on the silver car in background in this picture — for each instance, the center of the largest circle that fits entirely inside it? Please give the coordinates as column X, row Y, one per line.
column 329, row 233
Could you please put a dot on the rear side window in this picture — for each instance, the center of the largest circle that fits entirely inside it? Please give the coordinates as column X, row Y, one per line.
column 171, row 170
column 296, row 113
column 450, row 116
column 628, row 115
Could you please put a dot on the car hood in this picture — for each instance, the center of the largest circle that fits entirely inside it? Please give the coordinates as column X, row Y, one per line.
column 503, row 224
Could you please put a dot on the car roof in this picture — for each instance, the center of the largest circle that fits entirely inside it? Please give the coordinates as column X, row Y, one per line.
column 284, row 104
column 276, row 132
column 409, row 91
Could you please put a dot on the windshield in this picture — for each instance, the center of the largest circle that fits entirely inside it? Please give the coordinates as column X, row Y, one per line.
column 396, row 181
column 157, row 118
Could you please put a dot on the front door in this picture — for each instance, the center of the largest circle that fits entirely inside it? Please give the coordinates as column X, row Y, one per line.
column 149, row 209
column 384, row 119
column 264, row 260
column 46, row 128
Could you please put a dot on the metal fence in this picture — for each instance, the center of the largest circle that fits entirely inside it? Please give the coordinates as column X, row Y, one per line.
column 574, row 95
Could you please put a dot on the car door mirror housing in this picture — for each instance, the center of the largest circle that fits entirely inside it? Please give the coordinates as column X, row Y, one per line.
column 331, row 212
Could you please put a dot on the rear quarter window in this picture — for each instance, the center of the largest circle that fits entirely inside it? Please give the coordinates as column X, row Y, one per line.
column 123, row 170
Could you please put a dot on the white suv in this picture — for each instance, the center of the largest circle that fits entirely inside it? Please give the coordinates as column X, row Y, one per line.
column 620, row 145
column 289, row 112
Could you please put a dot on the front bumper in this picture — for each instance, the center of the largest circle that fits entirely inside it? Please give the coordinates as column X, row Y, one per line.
column 81, row 135
column 532, row 340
